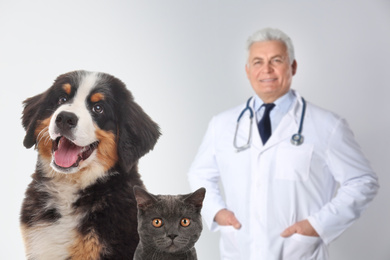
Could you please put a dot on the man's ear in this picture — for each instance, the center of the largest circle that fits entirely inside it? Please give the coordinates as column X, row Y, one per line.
column 30, row 116
column 294, row 67
column 144, row 199
column 138, row 133
column 247, row 70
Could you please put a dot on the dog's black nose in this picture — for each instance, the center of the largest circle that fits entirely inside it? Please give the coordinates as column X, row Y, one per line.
column 66, row 120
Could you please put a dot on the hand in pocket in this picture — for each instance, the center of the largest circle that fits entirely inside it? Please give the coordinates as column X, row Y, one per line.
column 302, row 227
column 225, row 217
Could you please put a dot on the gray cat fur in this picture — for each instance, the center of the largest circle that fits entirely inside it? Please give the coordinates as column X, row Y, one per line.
column 170, row 241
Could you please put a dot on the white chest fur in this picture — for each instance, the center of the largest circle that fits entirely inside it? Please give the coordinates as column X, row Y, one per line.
column 53, row 240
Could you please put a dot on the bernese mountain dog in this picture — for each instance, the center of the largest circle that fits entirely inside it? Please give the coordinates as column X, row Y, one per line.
column 89, row 134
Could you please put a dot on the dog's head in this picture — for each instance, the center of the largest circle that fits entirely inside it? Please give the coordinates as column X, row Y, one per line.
column 87, row 120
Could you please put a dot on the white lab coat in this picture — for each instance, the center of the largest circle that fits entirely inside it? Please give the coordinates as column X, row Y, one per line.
column 271, row 187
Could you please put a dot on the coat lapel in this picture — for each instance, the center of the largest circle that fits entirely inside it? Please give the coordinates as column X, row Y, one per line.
column 256, row 142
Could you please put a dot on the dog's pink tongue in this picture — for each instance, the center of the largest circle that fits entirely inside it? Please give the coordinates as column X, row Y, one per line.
column 67, row 153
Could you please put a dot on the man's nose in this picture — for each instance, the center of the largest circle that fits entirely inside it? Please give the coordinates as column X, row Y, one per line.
column 267, row 67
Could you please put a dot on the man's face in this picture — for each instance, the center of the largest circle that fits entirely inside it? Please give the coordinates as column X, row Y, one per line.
column 269, row 70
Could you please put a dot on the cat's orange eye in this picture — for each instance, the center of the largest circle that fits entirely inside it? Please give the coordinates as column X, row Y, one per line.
column 185, row 222
column 157, row 222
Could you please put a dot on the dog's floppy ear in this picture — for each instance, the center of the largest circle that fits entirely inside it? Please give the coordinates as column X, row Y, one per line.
column 30, row 116
column 138, row 133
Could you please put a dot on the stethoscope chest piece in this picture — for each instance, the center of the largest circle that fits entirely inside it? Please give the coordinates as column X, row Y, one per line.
column 297, row 139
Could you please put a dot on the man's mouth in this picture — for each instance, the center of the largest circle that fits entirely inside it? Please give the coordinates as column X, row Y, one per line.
column 268, row 80
column 68, row 155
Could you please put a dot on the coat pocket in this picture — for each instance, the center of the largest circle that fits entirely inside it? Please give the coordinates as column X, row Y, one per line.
column 229, row 243
column 300, row 247
column 293, row 162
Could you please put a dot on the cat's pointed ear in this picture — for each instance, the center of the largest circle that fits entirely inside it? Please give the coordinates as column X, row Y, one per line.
column 196, row 198
column 144, row 198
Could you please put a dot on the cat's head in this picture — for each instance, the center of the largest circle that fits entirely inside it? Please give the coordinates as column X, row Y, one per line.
column 169, row 223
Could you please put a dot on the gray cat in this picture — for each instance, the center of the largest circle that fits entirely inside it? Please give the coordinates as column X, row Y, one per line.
column 168, row 225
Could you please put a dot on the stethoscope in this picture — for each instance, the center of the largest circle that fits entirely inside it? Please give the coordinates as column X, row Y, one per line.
column 296, row 139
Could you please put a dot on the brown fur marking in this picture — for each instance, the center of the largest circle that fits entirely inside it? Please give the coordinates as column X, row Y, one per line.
column 86, row 247
column 107, row 149
column 97, row 97
column 67, row 87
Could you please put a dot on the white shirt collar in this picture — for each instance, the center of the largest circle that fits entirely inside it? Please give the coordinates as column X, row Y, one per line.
column 283, row 103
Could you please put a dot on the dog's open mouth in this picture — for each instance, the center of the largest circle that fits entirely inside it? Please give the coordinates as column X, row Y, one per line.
column 68, row 155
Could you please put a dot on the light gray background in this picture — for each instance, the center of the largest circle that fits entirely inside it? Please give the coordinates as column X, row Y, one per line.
column 184, row 62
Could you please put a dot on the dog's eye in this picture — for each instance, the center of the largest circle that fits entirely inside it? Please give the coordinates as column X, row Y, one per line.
column 62, row 100
column 97, row 109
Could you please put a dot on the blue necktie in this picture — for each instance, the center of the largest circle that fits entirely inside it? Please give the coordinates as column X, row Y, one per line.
column 265, row 123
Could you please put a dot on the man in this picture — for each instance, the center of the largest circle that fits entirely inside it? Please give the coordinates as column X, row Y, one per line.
column 280, row 200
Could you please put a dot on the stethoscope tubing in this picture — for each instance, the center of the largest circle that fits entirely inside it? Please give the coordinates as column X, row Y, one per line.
column 248, row 144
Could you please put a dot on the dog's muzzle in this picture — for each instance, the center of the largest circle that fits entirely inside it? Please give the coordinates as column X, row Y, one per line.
column 66, row 153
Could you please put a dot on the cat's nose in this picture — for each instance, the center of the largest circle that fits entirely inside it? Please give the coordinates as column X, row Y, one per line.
column 172, row 236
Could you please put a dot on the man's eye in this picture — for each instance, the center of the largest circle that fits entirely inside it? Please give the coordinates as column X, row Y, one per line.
column 277, row 61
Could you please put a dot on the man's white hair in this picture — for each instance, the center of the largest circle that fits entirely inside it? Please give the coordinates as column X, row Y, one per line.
column 271, row 34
